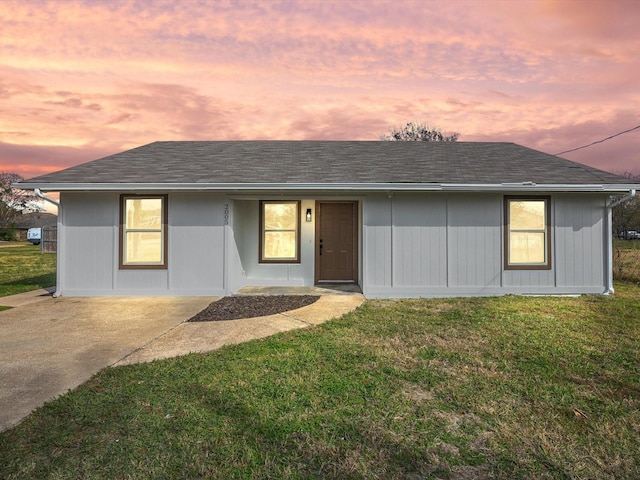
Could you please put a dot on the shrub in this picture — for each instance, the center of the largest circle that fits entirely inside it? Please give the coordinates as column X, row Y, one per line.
column 9, row 235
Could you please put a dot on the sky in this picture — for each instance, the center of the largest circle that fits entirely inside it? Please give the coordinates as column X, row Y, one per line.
column 80, row 80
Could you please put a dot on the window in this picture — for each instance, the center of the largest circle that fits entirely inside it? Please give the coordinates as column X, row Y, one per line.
column 527, row 233
column 279, row 232
column 143, row 231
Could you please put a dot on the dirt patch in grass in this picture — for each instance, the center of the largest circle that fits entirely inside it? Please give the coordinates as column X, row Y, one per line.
column 234, row 307
column 4, row 244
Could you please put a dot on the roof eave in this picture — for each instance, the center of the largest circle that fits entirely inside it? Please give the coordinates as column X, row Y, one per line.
column 316, row 187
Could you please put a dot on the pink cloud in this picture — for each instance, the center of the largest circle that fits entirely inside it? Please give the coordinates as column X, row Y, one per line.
column 111, row 75
column 33, row 160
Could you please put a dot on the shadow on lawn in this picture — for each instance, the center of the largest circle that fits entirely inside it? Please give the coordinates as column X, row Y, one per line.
column 47, row 279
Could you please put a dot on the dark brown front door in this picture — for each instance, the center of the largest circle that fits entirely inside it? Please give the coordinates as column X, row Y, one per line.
column 336, row 242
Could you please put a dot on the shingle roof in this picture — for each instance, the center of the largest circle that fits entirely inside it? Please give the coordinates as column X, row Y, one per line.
column 328, row 162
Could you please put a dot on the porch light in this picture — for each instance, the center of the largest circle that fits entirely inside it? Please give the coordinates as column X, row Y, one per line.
column 308, row 217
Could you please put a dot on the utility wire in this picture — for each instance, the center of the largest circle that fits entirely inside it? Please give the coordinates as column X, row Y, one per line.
column 599, row 141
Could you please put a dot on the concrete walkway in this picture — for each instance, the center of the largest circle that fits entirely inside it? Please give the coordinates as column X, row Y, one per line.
column 48, row 346
column 208, row 336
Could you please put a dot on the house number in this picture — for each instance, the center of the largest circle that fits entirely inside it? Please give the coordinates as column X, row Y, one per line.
column 226, row 214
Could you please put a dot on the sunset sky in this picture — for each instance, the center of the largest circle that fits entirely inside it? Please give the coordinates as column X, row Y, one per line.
column 80, row 80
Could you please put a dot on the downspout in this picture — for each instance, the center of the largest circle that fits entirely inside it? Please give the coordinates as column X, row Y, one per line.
column 391, row 232
column 629, row 196
column 44, row 197
column 41, row 195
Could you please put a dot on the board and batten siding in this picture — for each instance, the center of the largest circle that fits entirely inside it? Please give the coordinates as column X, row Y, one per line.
column 89, row 247
column 419, row 237
column 196, row 244
column 410, row 245
column 86, row 243
column 580, row 240
column 443, row 244
column 248, row 271
column 474, row 247
column 377, row 243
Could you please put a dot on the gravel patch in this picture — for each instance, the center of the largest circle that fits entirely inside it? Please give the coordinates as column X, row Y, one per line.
column 248, row 306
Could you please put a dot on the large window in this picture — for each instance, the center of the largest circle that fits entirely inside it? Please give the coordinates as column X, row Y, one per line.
column 143, row 231
column 280, row 232
column 527, row 233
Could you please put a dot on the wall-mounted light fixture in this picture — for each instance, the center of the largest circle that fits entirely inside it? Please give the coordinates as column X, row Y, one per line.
column 308, row 215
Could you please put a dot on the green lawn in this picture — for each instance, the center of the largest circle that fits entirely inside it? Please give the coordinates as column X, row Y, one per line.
column 24, row 268
column 507, row 388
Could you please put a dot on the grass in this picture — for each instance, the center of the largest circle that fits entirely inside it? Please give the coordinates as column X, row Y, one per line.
column 24, row 268
column 626, row 260
column 505, row 388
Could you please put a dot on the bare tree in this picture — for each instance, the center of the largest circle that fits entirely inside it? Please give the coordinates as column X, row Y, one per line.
column 626, row 216
column 418, row 132
column 14, row 201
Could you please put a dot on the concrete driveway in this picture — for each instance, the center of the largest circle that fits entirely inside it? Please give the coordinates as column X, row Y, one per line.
column 49, row 345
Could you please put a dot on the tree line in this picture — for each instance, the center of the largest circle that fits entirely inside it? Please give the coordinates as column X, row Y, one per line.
column 14, row 202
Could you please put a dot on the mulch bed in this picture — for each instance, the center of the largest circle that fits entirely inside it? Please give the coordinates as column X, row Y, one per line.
column 234, row 307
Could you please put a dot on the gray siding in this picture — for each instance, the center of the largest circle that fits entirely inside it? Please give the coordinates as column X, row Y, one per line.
column 141, row 282
column 377, row 241
column 419, row 241
column 196, row 243
column 436, row 244
column 580, row 241
column 411, row 244
column 522, row 279
column 87, row 243
column 90, row 242
column 475, row 241
column 246, row 233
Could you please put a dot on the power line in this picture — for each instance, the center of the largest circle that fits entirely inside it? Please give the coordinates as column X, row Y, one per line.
column 599, row 141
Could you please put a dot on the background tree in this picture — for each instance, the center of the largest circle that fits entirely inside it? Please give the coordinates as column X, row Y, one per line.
column 14, row 201
column 626, row 216
column 418, row 132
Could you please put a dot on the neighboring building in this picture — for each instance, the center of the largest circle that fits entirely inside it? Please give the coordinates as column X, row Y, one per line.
column 400, row 219
column 20, row 227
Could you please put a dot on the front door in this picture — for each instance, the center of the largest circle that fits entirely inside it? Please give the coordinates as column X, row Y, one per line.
column 336, row 242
